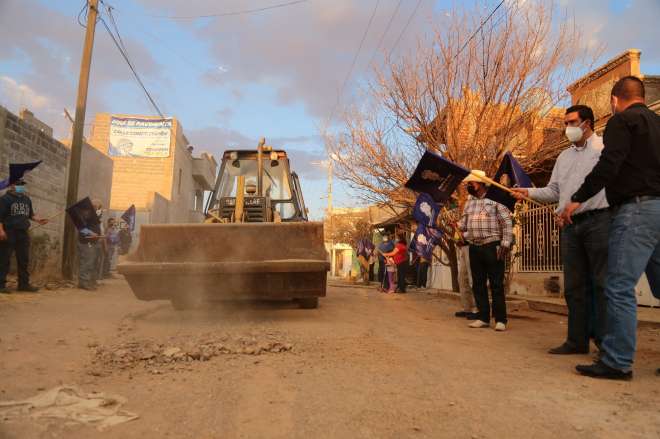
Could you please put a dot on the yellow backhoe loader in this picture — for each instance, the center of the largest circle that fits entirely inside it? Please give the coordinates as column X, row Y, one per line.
column 256, row 242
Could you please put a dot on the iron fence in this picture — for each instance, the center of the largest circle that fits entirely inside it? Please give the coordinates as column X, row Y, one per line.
column 537, row 236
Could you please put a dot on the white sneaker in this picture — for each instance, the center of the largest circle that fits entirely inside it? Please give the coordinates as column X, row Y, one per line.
column 478, row 324
column 499, row 326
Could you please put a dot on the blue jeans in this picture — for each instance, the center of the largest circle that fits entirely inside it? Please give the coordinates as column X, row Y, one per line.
column 634, row 248
column 584, row 256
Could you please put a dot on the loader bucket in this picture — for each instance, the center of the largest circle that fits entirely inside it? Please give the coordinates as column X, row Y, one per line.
column 193, row 263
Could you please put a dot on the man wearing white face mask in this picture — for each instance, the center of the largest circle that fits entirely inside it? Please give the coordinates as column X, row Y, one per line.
column 584, row 242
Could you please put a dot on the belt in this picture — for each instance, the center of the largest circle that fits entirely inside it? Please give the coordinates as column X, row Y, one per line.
column 479, row 244
column 640, row 198
column 588, row 214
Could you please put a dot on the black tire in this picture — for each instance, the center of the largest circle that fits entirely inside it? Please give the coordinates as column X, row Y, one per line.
column 309, row 302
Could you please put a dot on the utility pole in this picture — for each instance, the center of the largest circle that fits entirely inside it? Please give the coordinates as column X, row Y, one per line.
column 77, row 140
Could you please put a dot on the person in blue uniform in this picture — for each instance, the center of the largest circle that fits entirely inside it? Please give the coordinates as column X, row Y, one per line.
column 16, row 212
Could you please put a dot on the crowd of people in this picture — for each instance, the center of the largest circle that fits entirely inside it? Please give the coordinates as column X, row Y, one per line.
column 98, row 244
column 608, row 195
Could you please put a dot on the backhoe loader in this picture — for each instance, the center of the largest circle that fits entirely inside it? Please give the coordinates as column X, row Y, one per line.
column 256, row 241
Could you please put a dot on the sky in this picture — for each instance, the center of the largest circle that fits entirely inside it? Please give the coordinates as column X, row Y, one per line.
column 279, row 73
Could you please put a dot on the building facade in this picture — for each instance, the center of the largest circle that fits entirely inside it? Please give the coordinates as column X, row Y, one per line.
column 154, row 167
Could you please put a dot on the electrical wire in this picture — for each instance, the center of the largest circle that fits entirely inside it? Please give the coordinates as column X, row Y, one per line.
column 82, row 12
column 405, row 28
column 350, row 70
column 228, row 14
column 114, row 25
column 130, row 65
column 483, row 23
column 387, row 28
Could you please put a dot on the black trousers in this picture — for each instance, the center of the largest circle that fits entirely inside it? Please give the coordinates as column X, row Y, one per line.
column 17, row 241
column 401, row 272
column 422, row 274
column 486, row 268
column 584, row 256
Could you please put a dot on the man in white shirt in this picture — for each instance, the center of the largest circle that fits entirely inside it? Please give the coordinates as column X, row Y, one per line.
column 584, row 242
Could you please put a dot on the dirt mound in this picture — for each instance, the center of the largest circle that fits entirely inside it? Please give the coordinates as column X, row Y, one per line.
column 155, row 355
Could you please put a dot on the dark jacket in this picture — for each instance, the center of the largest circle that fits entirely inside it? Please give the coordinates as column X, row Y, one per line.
column 629, row 164
column 15, row 211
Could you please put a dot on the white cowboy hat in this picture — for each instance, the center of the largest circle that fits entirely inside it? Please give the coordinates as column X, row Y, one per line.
column 474, row 176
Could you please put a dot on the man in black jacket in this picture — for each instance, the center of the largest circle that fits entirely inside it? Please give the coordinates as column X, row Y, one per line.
column 15, row 214
column 629, row 170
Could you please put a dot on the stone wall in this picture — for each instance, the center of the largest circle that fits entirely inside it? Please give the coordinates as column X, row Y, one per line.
column 20, row 142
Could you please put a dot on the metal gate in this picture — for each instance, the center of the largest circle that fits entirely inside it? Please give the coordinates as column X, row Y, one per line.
column 537, row 235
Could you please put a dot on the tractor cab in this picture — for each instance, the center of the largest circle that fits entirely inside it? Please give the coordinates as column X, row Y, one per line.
column 256, row 186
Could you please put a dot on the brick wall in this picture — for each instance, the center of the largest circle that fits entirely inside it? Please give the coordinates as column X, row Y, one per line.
column 21, row 142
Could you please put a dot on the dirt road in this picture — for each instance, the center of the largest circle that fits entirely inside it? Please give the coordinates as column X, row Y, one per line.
column 363, row 365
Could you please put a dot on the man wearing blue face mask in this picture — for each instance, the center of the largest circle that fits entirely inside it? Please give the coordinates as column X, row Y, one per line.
column 584, row 241
column 15, row 214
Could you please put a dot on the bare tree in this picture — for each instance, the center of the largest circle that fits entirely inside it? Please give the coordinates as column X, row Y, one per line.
column 470, row 95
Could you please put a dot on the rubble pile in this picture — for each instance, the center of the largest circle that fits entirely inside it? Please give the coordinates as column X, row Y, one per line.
column 151, row 354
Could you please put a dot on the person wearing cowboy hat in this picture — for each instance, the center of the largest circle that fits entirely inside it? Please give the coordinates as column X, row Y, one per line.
column 15, row 214
column 487, row 227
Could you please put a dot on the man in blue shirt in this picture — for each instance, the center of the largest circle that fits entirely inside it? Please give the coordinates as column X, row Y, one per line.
column 15, row 214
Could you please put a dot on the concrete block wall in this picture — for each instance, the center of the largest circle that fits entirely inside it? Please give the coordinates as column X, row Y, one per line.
column 20, row 142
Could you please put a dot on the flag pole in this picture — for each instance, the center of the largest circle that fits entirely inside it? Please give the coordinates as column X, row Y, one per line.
column 49, row 219
column 509, row 190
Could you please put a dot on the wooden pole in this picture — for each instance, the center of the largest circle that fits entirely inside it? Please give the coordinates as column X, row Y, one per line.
column 501, row 186
column 77, row 140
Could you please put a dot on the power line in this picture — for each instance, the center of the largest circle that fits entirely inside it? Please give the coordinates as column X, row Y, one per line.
column 405, row 28
column 228, row 14
column 114, row 25
column 350, row 70
column 130, row 64
column 387, row 28
column 479, row 28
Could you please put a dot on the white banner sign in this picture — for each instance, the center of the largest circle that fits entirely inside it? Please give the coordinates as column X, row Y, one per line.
column 135, row 137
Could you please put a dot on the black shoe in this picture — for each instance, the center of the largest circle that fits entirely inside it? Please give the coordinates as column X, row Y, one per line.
column 461, row 314
column 472, row 316
column 28, row 289
column 657, row 372
column 602, row 370
column 87, row 287
column 567, row 349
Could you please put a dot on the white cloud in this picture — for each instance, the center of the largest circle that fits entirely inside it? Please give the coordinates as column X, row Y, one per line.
column 17, row 95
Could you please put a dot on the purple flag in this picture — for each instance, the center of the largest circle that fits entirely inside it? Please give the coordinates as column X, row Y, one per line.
column 436, row 176
column 16, row 172
column 424, row 240
column 83, row 214
column 426, row 210
column 517, row 178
